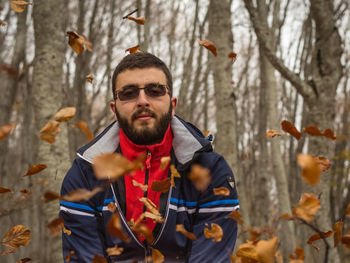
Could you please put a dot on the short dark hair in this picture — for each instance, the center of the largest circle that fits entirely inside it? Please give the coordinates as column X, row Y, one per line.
column 141, row 60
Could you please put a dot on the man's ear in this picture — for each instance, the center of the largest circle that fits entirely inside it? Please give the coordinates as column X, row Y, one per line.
column 113, row 107
column 174, row 103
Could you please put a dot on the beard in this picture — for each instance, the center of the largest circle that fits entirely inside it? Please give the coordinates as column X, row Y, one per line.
column 145, row 135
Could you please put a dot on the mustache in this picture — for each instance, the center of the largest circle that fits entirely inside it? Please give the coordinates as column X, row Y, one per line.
column 142, row 110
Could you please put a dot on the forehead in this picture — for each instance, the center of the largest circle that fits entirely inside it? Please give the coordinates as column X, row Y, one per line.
column 140, row 76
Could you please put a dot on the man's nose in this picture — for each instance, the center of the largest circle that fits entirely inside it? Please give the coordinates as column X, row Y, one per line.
column 142, row 99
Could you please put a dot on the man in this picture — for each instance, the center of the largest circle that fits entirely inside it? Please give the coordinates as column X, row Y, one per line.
column 146, row 123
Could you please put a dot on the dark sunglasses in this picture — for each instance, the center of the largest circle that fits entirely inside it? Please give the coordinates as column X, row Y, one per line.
column 152, row 90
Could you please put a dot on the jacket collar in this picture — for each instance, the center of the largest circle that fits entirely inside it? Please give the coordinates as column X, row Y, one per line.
column 187, row 140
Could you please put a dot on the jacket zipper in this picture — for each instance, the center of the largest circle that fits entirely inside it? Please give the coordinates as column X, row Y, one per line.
column 148, row 166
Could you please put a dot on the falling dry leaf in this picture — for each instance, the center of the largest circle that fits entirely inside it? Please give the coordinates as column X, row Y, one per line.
column 56, row 226
column 272, row 133
column 24, row 260
column 66, row 231
column 200, row 177
column 307, row 207
column 36, row 168
column 143, row 230
column 24, row 191
column 221, row 191
column 157, row 218
column 206, row 133
column 247, row 252
column 323, row 163
column 133, row 50
column 65, row 114
column 77, row 42
column 2, row 23
column 8, row 251
column 114, row 227
column 82, row 125
column 174, row 173
column 164, row 161
column 161, row 186
column 287, row 216
column 157, row 256
column 114, row 251
column 5, row 190
column 338, row 230
column 17, row 236
column 99, row 259
column 318, row 236
column 150, row 205
column 310, row 168
column 347, row 211
column 328, row 133
column 111, row 207
column 345, row 240
column 139, row 20
column 254, row 233
column 266, row 250
column 69, row 256
column 290, row 128
column 209, row 45
column 182, row 230
column 298, row 257
column 6, row 129
column 235, row 215
column 89, row 78
column 215, row 232
column 19, row 6
column 314, row 131
column 81, row 194
column 49, row 131
column 50, row 196
column 142, row 186
column 233, row 56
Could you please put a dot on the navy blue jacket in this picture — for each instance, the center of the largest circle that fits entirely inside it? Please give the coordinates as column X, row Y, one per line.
column 182, row 204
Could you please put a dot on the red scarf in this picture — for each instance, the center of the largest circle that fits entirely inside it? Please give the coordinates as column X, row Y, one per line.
column 134, row 207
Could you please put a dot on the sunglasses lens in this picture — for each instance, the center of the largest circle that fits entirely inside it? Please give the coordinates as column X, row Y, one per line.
column 132, row 92
column 155, row 90
column 128, row 93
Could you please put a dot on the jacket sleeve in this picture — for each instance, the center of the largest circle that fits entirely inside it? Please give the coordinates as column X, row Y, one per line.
column 215, row 209
column 81, row 218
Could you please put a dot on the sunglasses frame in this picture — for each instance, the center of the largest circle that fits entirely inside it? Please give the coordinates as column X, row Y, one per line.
column 145, row 88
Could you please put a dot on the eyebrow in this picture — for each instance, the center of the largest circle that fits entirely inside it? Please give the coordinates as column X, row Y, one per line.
column 137, row 86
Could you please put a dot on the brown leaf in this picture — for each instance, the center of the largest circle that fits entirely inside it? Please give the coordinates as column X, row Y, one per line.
column 290, row 128
column 66, row 231
column 338, row 230
column 266, row 250
column 157, row 218
column 6, row 130
column 65, row 114
column 19, row 6
column 36, row 168
column 182, row 230
column 287, row 216
column 200, row 177
column 307, row 207
column 317, row 236
column 2, row 23
column 8, row 251
column 312, row 130
column 50, row 196
column 142, row 186
column 81, row 194
column 233, row 56
column 17, row 236
column 235, row 215
column 247, row 252
column 111, row 166
column 24, row 260
column 139, row 20
column 161, row 186
column 328, row 133
column 77, row 42
column 111, row 207
column 323, row 163
column 347, row 211
column 89, row 78
column 25, row 191
column 143, row 230
column 82, row 125
column 254, row 233
column 114, row 251
column 8, row 70
column 272, row 133
column 157, row 256
column 133, row 50
column 345, row 240
column 150, row 205
column 215, row 232
column 174, row 173
column 56, row 226
column 164, row 161
column 299, row 255
column 69, row 256
column 5, row 190
column 99, row 259
column 221, row 191
column 310, row 168
column 49, row 131
column 114, row 227
column 208, row 45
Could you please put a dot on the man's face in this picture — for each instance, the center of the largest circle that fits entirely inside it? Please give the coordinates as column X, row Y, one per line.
column 144, row 119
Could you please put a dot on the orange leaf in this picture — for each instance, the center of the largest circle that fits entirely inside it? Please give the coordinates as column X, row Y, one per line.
column 235, row 215
column 139, row 20
column 56, row 226
column 112, row 207
column 307, row 207
column 164, row 161
column 290, row 128
column 161, row 186
column 323, row 163
column 142, row 186
column 5, row 190
column 266, row 250
column 272, row 133
column 310, row 168
column 81, row 194
column 114, row 251
column 114, row 227
column 23, row 260
column 68, row 257
column 99, row 259
column 157, row 256
column 50, row 196
column 49, row 131
column 17, row 236
column 89, row 78
column 36, row 168
column 82, row 125
column 345, row 240
column 215, row 232
column 19, row 6
column 182, row 230
column 200, row 177
column 66, row 231
column 206, row 133
column 133, row 50
column 221, row 191
column 143, row 230
column 247, row 252
column 318, row 236
column 150, row 205
column 6, row 129
column 254, row 233
column 338, row 229
column 174, row 173
column 209, row 45
column 287, row 216
column 77, row 42
column 299, row 255
column 233, row 56
column 65, row 114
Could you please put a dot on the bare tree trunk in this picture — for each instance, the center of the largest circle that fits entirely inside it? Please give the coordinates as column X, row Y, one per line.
column 47, row 99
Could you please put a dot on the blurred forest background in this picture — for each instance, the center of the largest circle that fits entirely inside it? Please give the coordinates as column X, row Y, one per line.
column 293, row 63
